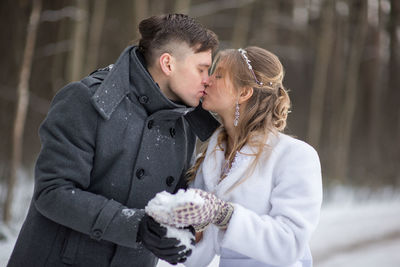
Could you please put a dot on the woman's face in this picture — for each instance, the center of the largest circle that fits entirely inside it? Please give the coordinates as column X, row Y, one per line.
column 220, row 95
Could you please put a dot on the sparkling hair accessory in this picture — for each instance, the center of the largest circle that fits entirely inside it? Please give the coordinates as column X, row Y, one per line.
column 244, row 55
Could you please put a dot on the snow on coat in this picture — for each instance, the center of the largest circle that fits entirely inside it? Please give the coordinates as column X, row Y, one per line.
column 276, row 209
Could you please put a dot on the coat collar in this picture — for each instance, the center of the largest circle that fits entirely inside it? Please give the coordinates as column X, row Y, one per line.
column 113, row 88
column 144, row 85
column 130, row 76
column 213, row 162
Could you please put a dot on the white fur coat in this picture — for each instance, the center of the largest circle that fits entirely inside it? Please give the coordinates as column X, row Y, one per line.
column 276, row 208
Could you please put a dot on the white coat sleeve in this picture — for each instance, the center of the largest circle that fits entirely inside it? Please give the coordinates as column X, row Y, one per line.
column 204, row 251
column 281, row 237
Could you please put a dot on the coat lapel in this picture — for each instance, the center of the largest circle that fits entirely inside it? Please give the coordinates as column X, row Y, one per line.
column 212, row 167
column 239, row 170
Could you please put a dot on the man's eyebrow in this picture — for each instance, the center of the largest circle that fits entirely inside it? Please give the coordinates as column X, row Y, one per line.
column 204, row 65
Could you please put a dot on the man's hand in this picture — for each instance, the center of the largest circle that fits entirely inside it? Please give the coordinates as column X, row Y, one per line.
column 153, row 237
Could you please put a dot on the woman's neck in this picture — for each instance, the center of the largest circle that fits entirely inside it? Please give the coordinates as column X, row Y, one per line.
column 227, row 121
column 230, row 130
column 229, row 147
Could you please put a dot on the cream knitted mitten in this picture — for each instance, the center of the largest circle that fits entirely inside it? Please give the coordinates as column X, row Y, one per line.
column 193, row 207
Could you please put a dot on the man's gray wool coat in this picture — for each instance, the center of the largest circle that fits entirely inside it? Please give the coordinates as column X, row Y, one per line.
column 107, row 149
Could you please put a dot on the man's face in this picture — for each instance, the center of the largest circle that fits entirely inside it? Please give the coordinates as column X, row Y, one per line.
column 190, row 77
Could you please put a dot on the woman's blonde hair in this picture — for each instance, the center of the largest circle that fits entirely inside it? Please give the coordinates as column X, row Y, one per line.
column 267, row 109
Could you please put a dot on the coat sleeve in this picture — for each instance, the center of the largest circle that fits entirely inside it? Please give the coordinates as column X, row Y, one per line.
column 204, row 250
column 63, row 172
column 281, row 237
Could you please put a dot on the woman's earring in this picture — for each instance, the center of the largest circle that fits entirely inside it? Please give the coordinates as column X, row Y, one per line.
column 237, row 114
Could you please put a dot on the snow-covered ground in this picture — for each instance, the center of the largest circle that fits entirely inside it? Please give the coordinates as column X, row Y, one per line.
column 357, row 228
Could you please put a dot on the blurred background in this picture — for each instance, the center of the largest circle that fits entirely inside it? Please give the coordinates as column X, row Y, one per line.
column 342, row 62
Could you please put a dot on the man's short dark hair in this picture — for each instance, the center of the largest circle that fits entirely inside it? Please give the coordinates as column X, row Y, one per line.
column 158, row 31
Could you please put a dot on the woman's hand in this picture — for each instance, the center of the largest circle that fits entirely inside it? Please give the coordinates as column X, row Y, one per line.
column 194, row 207
column 213, row 210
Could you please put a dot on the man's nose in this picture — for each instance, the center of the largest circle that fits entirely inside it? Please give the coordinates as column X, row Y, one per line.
column 206, row 80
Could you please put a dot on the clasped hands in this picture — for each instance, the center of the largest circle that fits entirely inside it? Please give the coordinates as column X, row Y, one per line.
column 192, row 210
column 197, row 208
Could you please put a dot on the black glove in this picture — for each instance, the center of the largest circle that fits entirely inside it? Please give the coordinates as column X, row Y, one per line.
column 153, row 237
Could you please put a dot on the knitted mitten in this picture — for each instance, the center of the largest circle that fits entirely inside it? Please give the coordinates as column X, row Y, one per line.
column 194, row 207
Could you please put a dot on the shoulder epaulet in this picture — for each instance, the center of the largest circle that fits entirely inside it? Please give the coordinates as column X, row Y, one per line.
column 97, row 76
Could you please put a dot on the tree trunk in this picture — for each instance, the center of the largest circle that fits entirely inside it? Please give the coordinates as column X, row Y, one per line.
column 373, row 81
column 141, row 11
column 96, row 27
column 393, row 95
column 269, row 21
column 22, row 105
column 58, row 77
column 323, row 58
column 79, row 42
column 336, row 93
column 157, row 7
column 182, row 6
column 241, row 26
column 350, row 88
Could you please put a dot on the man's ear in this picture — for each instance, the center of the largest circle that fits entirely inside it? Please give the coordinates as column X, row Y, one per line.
column 245, row 94
column 166, row 61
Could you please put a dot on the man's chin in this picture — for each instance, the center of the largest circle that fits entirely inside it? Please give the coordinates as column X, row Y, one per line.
column 193, row 103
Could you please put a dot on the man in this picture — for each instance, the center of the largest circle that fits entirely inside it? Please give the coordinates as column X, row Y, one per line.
column 110, row 143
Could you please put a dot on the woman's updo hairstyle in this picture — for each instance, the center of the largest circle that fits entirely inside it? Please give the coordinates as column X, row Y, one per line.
column 267, row 109
column 159, row 31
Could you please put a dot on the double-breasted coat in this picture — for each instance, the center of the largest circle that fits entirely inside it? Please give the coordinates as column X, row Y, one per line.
column 107, row 148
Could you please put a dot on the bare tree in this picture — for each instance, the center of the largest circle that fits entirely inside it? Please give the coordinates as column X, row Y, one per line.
column 76, row 64
column 336, row 92
column 141, row 11
column 213, row 7
column 351, row 89
column 373, row 82
column 269, row 21
column 57, row 65
column 323, row 58
column 392, row 120
column 182, row 6
column 22, row 105
column 96, row 27
column 242, row 25
column 158, row 7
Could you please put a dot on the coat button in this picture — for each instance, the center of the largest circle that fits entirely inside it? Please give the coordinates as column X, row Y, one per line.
column 170, row 180
column 172, row 132
column 143, row 99
column 140, row 173
column 150, row 124
column 97, row 234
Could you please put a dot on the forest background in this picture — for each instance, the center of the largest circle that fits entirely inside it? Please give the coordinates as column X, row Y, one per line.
column 341, row 57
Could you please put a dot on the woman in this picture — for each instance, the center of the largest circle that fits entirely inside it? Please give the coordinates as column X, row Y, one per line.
column 262, row 188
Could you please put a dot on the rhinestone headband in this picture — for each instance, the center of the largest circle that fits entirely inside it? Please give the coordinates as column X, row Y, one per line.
column 244, row 55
